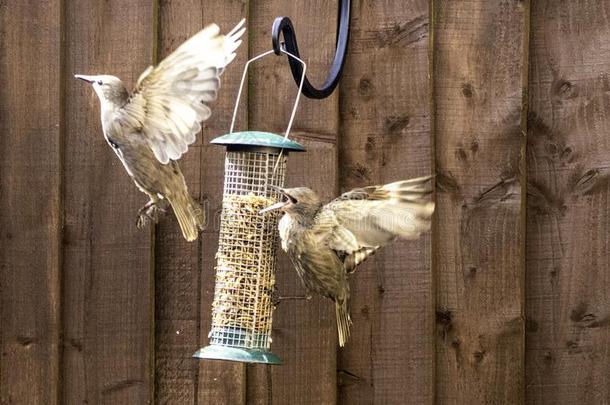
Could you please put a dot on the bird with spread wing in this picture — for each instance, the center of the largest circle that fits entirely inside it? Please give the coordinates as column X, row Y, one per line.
column 327, row 242
column 151, row 128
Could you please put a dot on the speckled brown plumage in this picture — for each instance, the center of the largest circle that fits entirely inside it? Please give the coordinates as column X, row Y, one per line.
column 151, row 128
column 327, row 242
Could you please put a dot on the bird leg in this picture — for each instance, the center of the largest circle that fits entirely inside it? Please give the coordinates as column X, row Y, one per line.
column 149, row 213
column 276, row 298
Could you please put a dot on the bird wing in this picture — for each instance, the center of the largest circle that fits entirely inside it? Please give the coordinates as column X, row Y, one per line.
column 364, row 219
column 169, row 102
column 328, row 231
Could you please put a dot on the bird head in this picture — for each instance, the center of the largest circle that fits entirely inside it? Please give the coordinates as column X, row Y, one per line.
column 298, row 200
column 110, row 89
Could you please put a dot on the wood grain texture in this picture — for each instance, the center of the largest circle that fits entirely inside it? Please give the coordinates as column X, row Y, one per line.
column 304, row 332
column 30, row 202
column 182, row 269
column 185, row 271
column 219, row 382
column 385, row 136
column 107, row 274
column 77, row 319
column 177, row 262
column 480, row 51
column 568, row 237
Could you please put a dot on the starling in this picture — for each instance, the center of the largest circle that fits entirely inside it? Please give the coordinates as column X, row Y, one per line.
column 151, row 128
column 327, row 242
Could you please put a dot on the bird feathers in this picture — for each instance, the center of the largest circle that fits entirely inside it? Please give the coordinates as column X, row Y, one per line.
column 344, row 321
column 375, row 215
column 168, row 103
column 351, row 261
column 327, row 242
column 189, row 214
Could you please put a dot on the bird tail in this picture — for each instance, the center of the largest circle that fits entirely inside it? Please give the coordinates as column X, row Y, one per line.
column 190, row 215
column 343, row 321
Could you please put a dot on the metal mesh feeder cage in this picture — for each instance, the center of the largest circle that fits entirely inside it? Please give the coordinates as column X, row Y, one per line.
column 242, row 308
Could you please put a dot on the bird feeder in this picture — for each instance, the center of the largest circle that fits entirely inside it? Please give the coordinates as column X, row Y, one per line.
column 242, row 308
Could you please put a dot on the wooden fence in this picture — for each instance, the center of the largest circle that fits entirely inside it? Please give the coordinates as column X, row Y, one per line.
column 506, row 301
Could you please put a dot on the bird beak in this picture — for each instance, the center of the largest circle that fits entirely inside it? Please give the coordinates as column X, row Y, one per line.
column 274, row 207
column 88, row 79
column 277, row 205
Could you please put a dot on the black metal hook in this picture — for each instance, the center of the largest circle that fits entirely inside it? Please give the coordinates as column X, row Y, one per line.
column 284, row 25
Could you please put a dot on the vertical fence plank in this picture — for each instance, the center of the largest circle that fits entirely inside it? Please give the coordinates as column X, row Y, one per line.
column 304, row 332
column 177, row 262
column 107, row 298
column 182, row 321
column 568, row 237
column 480, row 54
column 220, row 382
column 385, row 136
column 30, row 201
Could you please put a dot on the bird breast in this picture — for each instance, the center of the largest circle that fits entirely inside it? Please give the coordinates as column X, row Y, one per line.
column 287, row 232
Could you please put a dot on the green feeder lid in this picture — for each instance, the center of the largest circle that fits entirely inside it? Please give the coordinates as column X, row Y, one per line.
column 217, row 352
column 257, row 138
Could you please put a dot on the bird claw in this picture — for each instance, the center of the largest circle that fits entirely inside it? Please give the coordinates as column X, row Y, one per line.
column 149, row 213
column 142, row 220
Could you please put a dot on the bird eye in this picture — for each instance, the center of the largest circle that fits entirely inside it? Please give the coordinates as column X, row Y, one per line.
column 99, row 82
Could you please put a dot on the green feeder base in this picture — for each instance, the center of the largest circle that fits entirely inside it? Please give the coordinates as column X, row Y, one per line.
column 243, row 355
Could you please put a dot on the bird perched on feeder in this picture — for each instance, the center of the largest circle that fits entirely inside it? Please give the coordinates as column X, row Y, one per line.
column 327, row 242
column 151, row 128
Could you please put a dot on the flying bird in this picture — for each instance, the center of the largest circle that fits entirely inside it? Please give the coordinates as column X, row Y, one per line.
column 150, row 128
column 327, row 242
